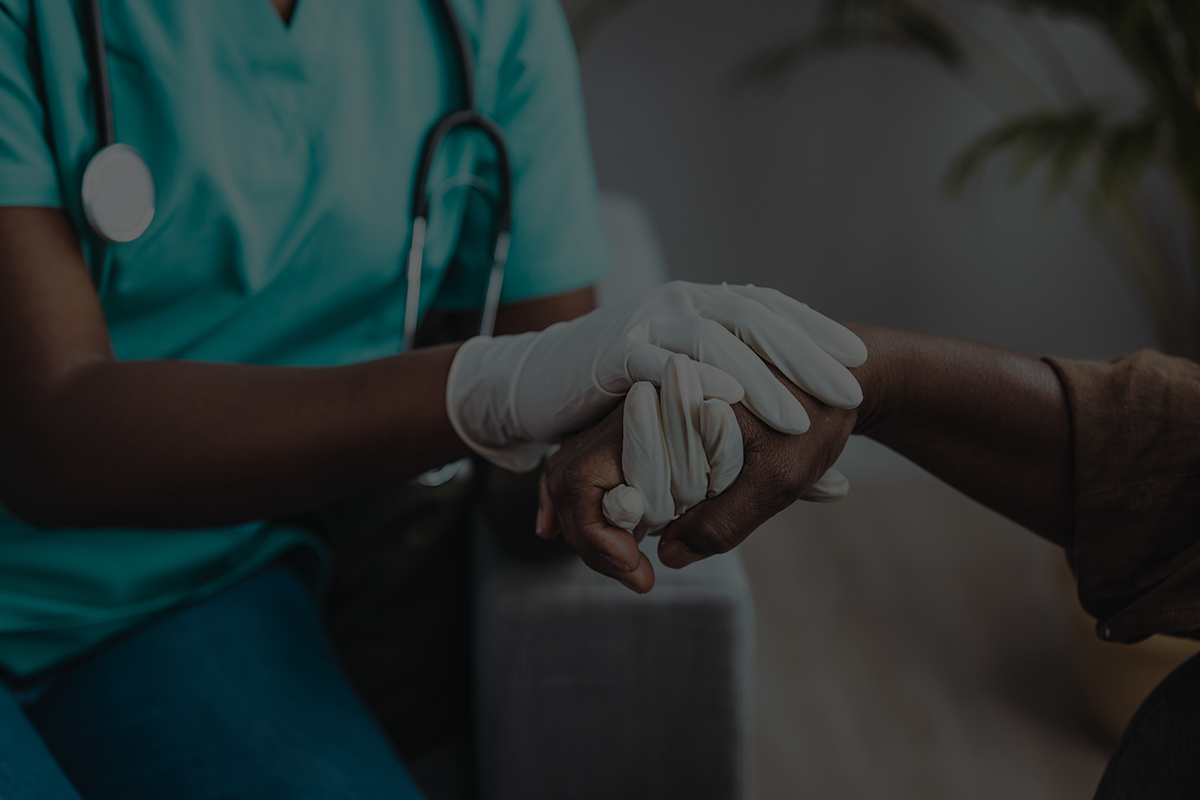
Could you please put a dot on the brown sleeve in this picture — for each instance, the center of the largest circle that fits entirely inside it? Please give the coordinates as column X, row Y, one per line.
column 1136, row 427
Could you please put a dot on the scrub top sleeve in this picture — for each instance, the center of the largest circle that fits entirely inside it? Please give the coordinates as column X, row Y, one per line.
column 558, row 240
column 27, row 173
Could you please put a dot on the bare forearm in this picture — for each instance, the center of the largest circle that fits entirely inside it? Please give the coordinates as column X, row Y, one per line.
column 178, row 444
column 990, row 422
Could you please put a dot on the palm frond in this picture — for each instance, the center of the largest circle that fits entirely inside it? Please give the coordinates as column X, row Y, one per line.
column 1127, row 151
column 1056, row 139
column 1159, row 40
column 918, row 29
column 901, row 25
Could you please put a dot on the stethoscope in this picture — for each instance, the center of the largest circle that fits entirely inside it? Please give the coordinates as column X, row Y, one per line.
column 118, row 188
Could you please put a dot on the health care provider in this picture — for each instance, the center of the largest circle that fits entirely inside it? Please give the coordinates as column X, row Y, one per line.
column 239, row 364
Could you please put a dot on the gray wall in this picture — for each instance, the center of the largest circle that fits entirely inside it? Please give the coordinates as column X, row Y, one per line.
column 828, row 187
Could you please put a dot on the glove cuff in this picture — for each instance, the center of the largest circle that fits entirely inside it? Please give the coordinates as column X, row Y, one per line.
column 480, row 391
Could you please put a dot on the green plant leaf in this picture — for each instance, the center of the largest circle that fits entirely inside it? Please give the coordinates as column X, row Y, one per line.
column 901, row 25
column 1058, row 140
column 1127, row 151
column 914, row 27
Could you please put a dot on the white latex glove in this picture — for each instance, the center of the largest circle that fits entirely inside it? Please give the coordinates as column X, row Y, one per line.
column 508, row 396
column 679, row 448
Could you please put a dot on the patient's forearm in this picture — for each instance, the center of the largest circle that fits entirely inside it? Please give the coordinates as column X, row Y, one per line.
column 990, row 422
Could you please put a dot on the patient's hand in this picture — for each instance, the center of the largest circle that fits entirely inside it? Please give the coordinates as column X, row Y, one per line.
column 777, row 470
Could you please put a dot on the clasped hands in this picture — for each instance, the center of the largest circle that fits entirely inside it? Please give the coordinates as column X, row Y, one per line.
column 777, row 469
column 742, row 371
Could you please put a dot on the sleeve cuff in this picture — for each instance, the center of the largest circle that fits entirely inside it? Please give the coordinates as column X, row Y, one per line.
column 1136, row 428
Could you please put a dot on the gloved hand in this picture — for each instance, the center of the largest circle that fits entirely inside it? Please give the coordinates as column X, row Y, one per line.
column 679, row 448
column 508, row 396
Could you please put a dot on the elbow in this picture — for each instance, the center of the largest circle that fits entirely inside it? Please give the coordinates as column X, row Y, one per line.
column 28, row 500
column 48, row 461
column 37, row 514
column 42, row 493
column 39, row 508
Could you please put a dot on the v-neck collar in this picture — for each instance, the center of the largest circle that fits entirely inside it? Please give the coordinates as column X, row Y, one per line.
column 287, row 23
column 282, row 59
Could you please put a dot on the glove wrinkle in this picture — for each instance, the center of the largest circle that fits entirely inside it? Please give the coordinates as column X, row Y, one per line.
column 722, row 438
column 681, row 401
column 644, row 458
column 670, row 439
column 506, row 392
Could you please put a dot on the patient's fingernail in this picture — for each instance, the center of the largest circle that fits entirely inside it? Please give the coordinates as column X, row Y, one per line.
column 676, row 554
column 539, row 527
column 617, row 564
column 630, row 586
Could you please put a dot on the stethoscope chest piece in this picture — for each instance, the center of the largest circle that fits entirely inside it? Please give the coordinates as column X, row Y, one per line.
column 118, row 193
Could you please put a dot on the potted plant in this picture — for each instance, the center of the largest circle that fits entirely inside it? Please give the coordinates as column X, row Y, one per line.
column 1080, row 143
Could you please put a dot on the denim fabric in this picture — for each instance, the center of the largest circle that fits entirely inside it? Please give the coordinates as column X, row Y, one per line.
column 236, row 697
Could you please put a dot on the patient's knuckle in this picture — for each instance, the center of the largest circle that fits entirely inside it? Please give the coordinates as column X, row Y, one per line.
column 557, row 484
column 713, row 535
column 576, row 479
column 725, row 539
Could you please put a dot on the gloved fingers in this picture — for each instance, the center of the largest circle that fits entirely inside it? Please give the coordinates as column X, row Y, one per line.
column 789, row 347
column 707, row 341
column 648, row 362
column 722, row 438
column 834, row 338
column 645, row 462
column 681, row 399
column 623, row 507
column 831, row 487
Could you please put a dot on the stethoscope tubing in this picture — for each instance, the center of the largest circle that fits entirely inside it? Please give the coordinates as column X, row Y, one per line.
column 464, row 117
column 97, row 48
column 459, row 119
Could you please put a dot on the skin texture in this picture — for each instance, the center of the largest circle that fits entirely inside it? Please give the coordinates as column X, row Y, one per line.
column 88, row 441
column 990, row 422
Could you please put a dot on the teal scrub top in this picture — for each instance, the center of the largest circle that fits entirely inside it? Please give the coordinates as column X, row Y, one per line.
column 284, row 159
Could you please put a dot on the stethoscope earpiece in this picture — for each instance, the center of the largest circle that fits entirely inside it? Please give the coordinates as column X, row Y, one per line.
column 118, row 193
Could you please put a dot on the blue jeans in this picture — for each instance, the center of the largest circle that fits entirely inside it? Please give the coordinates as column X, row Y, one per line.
column 239, row 696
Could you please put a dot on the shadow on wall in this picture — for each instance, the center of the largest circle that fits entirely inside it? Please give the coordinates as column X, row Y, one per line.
column 828, row 186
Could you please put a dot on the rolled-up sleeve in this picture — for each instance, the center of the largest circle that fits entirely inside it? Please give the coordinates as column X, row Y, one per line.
column 1136, row 555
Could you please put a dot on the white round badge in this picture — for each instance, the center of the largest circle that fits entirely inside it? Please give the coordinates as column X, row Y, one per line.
column 118, row 193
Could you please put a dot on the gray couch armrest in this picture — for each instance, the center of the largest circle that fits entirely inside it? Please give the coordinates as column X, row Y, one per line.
column 586, row 690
